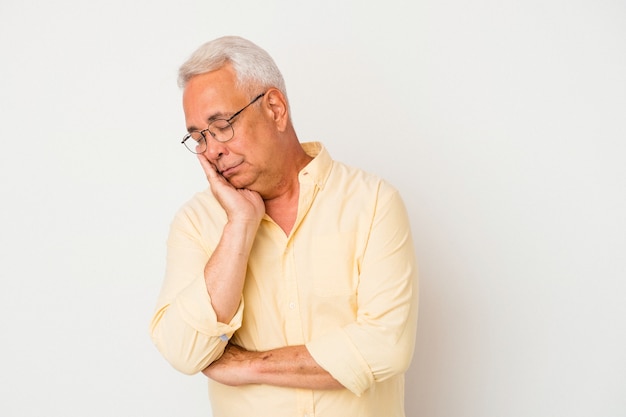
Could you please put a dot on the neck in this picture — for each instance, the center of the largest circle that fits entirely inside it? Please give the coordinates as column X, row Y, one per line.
column 283, row 210
column 282, row 206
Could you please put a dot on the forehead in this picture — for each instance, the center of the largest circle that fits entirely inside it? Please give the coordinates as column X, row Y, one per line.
column 210, row 86
column 210, row 95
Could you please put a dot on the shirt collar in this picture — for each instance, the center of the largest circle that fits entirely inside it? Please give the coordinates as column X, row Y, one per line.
column 318, row 170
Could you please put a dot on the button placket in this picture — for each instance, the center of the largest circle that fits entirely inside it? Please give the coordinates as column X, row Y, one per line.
column 293, row 324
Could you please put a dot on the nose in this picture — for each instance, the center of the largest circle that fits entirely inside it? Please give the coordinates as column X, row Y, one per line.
column 214, row 149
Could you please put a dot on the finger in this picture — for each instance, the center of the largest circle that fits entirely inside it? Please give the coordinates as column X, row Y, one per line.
column 209, row 169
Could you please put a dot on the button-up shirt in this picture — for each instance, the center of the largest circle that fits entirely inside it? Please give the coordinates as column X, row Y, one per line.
column 343, row 283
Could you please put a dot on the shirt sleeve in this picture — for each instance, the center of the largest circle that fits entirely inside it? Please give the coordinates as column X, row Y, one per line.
column 184, row 327
column 380, row 342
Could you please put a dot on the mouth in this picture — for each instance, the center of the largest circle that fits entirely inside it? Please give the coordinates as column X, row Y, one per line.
column 230, row 171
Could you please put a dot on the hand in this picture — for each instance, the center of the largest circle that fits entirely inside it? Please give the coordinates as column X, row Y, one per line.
column 239, row 204
column 231, row 368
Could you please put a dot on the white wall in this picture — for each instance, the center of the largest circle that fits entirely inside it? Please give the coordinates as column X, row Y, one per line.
column 502, row 123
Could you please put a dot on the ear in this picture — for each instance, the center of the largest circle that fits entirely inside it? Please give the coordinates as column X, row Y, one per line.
column 278, row 108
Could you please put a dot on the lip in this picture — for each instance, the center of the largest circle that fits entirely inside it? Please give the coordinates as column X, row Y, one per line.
column 229, row 171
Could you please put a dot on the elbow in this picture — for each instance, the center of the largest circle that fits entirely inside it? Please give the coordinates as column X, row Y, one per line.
column 188, row 354
column 401, row 363
column 401, row 354
column 185, row 367
column 185, row 361
column 396, row 361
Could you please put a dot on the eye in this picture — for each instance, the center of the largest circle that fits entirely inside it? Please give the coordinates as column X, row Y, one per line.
column 219, row 126
column 221, row 130
column 197, row 137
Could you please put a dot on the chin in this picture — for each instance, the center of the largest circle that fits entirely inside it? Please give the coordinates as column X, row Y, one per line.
column 240, row 181
column 237, row 183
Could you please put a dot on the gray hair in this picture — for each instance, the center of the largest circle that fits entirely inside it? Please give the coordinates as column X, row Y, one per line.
column 254, row 67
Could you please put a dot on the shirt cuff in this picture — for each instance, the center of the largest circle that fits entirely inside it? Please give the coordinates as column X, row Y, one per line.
column 194, row 305
column 336, row 353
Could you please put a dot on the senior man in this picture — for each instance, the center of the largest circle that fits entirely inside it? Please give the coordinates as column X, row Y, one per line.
column 291, row 280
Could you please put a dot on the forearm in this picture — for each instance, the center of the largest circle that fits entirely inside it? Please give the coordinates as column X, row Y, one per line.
column 290, row 366
column 225, row 271
column 294, row 367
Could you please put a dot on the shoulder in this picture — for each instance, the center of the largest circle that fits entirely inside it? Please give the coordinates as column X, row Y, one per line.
column 201, row 210
column 348, row 179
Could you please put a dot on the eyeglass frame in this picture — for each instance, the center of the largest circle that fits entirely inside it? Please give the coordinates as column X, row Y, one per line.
column 229, row 120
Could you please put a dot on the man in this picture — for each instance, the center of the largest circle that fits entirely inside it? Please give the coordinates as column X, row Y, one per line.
column 291, row 281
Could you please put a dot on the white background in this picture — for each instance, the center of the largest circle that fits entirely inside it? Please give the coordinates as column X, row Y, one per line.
column 501, row 122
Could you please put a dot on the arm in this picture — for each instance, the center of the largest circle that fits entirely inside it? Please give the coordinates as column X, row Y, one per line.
column 379, row 343
column 225, row 272
column 200, row 301
column 290, row 366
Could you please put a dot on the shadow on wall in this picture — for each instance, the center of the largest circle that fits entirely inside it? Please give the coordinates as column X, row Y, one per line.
column 424, row 390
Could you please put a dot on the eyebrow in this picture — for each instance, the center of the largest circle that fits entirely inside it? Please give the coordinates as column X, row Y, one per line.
column 210, row 119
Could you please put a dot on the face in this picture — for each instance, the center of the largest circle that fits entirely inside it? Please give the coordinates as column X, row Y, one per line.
column 248, row 160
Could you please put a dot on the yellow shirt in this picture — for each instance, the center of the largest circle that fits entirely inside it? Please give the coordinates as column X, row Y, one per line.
column 343, row 283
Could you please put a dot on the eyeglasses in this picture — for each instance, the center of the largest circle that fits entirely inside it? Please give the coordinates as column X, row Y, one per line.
column 220, row 129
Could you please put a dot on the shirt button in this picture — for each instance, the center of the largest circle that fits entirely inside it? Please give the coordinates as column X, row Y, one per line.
column 292, row 305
